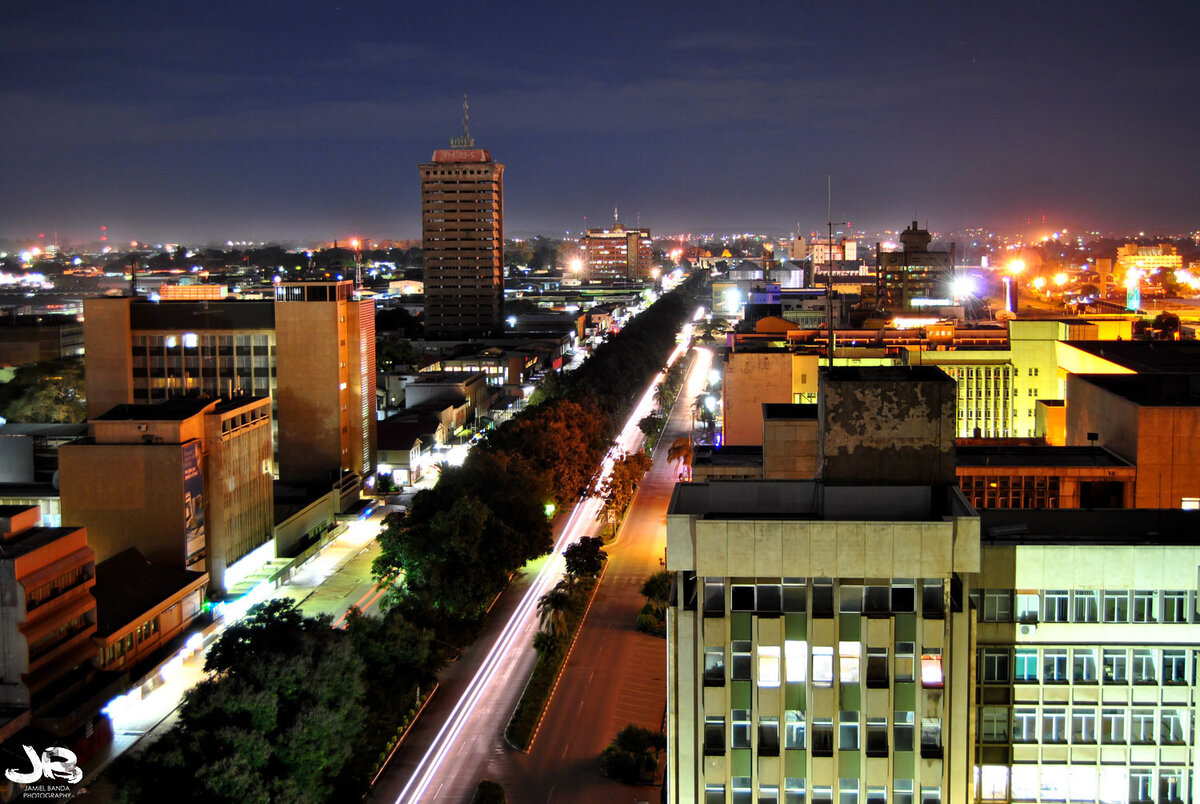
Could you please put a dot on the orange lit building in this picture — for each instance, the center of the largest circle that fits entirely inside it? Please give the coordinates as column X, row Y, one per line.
column 192, row 292
column 617, row 254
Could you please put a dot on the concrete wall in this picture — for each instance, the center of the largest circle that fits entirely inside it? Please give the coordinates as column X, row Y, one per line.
column 108, row 343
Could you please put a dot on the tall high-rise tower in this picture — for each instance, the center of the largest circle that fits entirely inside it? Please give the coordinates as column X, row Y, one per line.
column 462, row 232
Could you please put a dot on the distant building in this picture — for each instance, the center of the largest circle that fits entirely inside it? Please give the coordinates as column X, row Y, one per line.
column 462, row 228
column 35, row 339
column 1149, row 259
column 617, row 254
column 913, row 277
column 187, row 482
column 311, row 349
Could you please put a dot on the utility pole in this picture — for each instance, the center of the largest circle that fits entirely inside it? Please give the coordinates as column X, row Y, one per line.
column 829, row 276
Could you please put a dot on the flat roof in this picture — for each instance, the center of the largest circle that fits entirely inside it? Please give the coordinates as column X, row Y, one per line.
column 128, row 586
column 1146, row 356
column 31, row 539
column 887, row 374
column 1017, row 455
column 222, row 314
column 809, row 499
column 1123, row 526
column 175, row 409
column 788, row 410
column 727, row 455
column 1151, row 390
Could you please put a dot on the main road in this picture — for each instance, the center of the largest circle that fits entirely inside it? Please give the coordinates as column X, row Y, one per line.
column 459, row 739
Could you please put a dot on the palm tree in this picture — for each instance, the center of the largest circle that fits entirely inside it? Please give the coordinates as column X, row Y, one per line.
column 552, row 611
column 681, row 452
column 660, row 396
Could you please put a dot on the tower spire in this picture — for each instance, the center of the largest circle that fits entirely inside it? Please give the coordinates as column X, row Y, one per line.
column 465, row 141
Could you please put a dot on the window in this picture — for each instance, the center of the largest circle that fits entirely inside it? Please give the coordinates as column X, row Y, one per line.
column 822, row 794
column 1026, row 665
column 847, row 791
column 902, row 731
column 849, row 654
column 768, row 736
column 1054, row 725
column 1141, row 726
column 931, row 795
column 904, row 661
column 1143, row 667
column 793, row 729
column 995, row 666
column 768, row 794
column 1086, row 606
column 739, row 728
column 794, row 593
column 1116, row 666
column 1175, row 607
column 714, row 736
column 822, row 666
column 714, row 667
column 822, row 598
column 741, row 597
column 932, row 604
column 1024, row 725
column 877, row 601
column 1027, row 607
column 1054, row 666
column 714, row 602
column 997, row 606
column 1170, row 727
column 793, row 790
column 1174, row 667
column 931, row 738
column 847, row 731
column 877, row 737
column 993, row 724
column 1054, row 607
column 1189, row 503
column 903, row 596
column 851, row 599
column 743, row 793
column 740, row 669
column 876, row 795
column 795, row 660
column 1140, row 780
column 1083, row 665
column 931, row 669
column 822, row 737
column 1143, row 607
column 768, row 666
column 902, row 791
column 1083, row 726
column 714, row 794
column 1116, row 607
column 877, row 668
column 769, row 600
column 1112, row 726
column 1170, row 786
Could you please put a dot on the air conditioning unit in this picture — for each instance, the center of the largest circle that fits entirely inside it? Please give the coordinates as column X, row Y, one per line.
column 1028, row 630
column 141, row 427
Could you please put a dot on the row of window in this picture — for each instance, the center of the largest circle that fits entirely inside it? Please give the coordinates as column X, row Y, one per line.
column 741, row 791
column 191, row 340
column 1083, row 725
column 791, row 596
column 820, row 737
column 53, row 588
column 1084, row 666
column 1106, row 785
column 1086, row 606
column 847, row 665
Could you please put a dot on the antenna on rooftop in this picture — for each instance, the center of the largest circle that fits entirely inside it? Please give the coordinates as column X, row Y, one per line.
column 616, row 220
column 465, row 141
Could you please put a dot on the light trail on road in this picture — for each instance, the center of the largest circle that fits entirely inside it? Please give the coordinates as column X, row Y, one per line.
column 582, row 520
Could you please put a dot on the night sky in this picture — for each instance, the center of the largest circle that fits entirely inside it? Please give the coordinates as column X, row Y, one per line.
column 306, row 120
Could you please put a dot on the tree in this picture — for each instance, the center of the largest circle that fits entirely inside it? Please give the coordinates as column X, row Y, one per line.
column 552, row 610
column 657, row 586
column 662, row 397
column 681, row 453
column 584, row 558
column 632, row 755
column 651, row 425
column 394, row 353
column 52, row 391
column 1166, row 324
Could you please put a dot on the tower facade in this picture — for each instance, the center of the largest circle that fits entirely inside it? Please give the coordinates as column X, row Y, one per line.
column 617, row 254
column 462, row 235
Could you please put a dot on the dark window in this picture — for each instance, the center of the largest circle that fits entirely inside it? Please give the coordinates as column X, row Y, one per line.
column 823, row 600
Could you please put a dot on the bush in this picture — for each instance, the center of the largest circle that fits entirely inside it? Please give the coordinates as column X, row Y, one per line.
column 489, row 792
column 632, row 755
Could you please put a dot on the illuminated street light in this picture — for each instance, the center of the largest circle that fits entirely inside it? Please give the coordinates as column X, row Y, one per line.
column 576, row 265
column 1039, row 283
column 1061, row 279
column 962, row 287
column 1016, row 266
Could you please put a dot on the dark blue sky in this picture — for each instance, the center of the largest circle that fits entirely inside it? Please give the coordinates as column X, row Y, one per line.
column 257, row 119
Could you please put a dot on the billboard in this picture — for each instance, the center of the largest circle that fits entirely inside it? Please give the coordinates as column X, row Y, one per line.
column 193, row 507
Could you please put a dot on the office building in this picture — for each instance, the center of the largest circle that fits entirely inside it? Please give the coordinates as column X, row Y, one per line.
column 185, row 481
column 462, row 235
column 311, row 349
column 617, row 254
column 912, row 277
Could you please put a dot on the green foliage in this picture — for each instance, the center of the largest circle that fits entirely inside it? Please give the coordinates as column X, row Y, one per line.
column 396, row 354
column 658, row 586
column 632, row 756
column 584, row 558
column 52, row 391
column 489, row 792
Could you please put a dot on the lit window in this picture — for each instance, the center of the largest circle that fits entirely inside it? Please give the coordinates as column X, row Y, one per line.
column 931, row 669
column 822, row 666
column 848, row 731
column 993, row 724
column 1190, row 503
column 849, row 655
column 795, row 660
column 768, row 666
column 793, row 725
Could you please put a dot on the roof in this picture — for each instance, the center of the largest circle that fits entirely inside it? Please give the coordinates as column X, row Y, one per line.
column 460, row 155
column 392, row 434
column 31, row 539
column 435, row 377
column 224, row 314
column 888, row 374
column 1150, row 390
column 809, row 499
column 1006, row 456
column 1146, row 356
column 176, row 409
column 1135, row 526
column 49, row 430
column 128, row 586
column 788, row 410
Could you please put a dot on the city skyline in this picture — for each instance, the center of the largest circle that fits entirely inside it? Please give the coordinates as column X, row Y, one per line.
column 215, row 122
